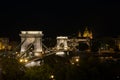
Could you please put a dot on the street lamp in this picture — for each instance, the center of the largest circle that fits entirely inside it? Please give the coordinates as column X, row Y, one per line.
column 52, row 77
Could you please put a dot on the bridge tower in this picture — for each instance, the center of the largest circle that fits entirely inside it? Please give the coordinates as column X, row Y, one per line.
column 62, row 43
column 31, row 38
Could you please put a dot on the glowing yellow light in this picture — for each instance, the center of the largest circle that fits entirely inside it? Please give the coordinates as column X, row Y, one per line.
column 26, row 60
column 21, row 60
column 60, row 53
column 52, row 76
column 77, row 60
column 31, row 32
column 23, row 32
column 37, row 54
column 62, row 37
column 34, row 32
column 66, row 48
column 3, row 47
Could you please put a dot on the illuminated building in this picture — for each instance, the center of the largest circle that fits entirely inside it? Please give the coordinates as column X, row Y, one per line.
column 79, row 34
column 4, row 44
column 87, row 33
column 85, row 38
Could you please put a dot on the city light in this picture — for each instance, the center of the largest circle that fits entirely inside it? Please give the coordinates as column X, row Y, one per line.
column 21, row 60
column 60, row 53
column 77, row 60
column 26, row 60
column 31, row 32
column 52, row 76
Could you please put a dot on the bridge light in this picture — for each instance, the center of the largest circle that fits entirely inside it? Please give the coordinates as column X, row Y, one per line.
column 16, row 52
column 26, row 60
column 21, row 60
column 60, row 53
column 52, row 76
column 77, row 60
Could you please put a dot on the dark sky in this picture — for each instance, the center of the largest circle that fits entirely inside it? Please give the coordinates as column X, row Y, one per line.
column 60, row 18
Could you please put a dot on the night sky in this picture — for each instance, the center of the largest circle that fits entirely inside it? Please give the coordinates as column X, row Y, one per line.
column 60, row 18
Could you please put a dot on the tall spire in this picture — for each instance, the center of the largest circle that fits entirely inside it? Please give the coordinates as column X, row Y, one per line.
column 79, row 34
column 86, row 33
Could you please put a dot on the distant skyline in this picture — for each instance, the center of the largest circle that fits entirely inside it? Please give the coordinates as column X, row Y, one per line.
column 60, row 19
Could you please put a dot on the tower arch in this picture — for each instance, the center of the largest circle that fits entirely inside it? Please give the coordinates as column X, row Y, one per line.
column 31, row 38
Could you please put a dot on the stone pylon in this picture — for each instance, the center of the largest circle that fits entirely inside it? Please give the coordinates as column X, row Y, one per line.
column 31, row 38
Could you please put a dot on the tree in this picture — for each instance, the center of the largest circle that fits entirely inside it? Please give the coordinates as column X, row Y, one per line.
column 42, row 72
column 11, row 69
